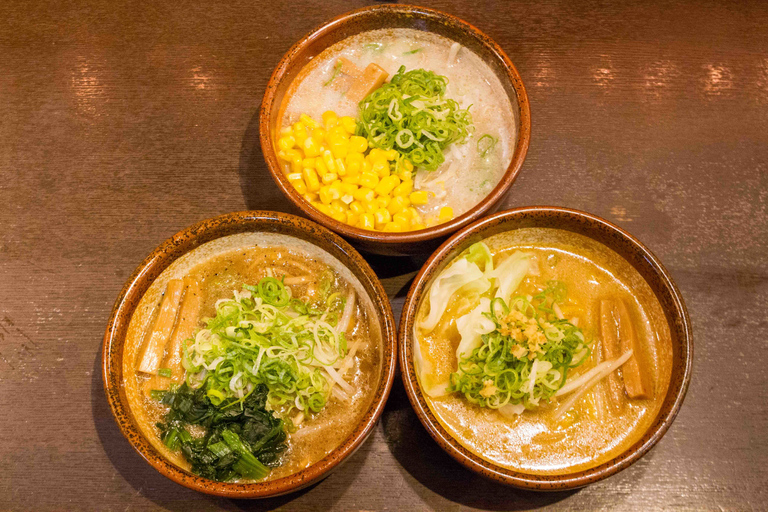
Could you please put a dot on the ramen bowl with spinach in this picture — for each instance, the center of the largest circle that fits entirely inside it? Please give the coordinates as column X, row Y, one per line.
column 545, row 348
column 249, row 355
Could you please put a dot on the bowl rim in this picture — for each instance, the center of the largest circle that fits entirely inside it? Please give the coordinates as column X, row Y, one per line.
column 515, row 478
column 181, row 243
column 408, row 237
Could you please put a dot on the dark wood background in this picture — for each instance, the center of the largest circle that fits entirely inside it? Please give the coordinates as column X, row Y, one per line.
column 122, row 123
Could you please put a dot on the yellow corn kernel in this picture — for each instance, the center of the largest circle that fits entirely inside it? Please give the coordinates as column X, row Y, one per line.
column 318, row 134
column 354, row 160
column 415, row 215
column 368, row 179
column 329, row 178
column 351, row 178
column 381, row 168
column 296, row 165
column 348, row 188
column 419, row 197
column 308, row 121
column 339, row 216
column 308, row 163
column 358, row 144
column 338, row 207
column 311, row 197
column 382, row 216
column 391, row 154
column 347, row 198
column 387, row 185
column 336, row 185
column 417, row 225
column 376, row 154
column 328, row 161
column 367, row 166
column 310, row 178
column 341, row 169
column 446, row 214
column 400, row 225
column 404, row 189
column 339, row 149
column 398, row 204
column 366, row 221
column 311, row 147
column 382, row 201
column 356, row 207
column 407, row 165
column 325, row 194
column 300, row 133
column 322, row 207
column 391, row 227
column 330, row 119
column 352, row 218
column 291, row 154
column 364, row 194
column 403, row 218
column 320, row 166
column 288, row 130
column 348, row 123
column 300, row 186
column 404, row 174
column 372, row 206
column 286, row 142
column 337, row 134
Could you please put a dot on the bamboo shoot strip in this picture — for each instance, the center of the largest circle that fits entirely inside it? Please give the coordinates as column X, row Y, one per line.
column 611, row 350
column 154, row 345
column 185, row 328
column 636, row 380
column 370, row 80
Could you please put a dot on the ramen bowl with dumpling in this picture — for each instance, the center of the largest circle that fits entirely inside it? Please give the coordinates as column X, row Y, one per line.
column 545, row 348
column 249, row 355
column 395, row 126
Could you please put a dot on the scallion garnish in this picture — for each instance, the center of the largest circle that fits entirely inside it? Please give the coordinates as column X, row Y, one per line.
column 411, row 115
column 485, row 144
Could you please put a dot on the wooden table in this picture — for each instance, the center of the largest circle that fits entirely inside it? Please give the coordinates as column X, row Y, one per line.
column 122, row 123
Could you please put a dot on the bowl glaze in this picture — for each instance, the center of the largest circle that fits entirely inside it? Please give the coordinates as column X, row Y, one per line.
column 394, row 16
column 621, row 242
column 182, row 243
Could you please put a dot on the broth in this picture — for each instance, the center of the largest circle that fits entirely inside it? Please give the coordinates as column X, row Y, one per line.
column 224, row 265
column 595, row 429
column 465, row 177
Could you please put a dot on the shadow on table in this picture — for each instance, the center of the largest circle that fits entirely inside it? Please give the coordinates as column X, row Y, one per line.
column 172, row 496
column 421, row 457
column 259, row 189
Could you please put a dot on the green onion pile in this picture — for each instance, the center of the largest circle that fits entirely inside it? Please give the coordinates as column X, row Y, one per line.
column 265, row 336
column 526, row 358
column 411, row 115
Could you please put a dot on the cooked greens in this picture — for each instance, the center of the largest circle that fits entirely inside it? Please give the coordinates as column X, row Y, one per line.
column 411, row 115
column 240, row 440
column 264, row 336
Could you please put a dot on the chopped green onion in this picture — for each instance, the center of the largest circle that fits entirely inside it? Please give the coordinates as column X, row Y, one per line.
column 336, row 70
column 165, row 372
column 417, row 50
column 485, row 144
column 411, row 115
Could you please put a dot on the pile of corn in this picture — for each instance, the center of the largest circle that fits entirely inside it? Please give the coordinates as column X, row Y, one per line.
column 336, row 172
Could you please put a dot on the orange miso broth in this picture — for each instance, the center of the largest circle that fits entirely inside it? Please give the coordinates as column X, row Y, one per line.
column 558, row 421
column 216, row 272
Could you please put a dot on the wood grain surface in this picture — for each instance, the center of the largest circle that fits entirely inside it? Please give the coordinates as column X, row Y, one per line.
column 124, row 122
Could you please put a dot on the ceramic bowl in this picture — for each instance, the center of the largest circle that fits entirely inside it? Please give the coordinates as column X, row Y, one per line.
column 626, row 246
column 179, row 245
column 393, row 16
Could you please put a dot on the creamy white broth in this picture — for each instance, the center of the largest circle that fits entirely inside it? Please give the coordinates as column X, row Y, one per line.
column 465, row 177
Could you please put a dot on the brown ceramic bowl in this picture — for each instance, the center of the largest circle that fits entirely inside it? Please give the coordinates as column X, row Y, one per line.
column 179, row 245
column 393, row 16
column 621, row 242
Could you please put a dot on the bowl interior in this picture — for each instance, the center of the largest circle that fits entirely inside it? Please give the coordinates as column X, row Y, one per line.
column 393, row 16
column 627, row 247
column 180, row 246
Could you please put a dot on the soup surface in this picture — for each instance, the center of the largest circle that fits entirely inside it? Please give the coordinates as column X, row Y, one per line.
column 603, row 421
column 224, row 265
column 472, row 166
